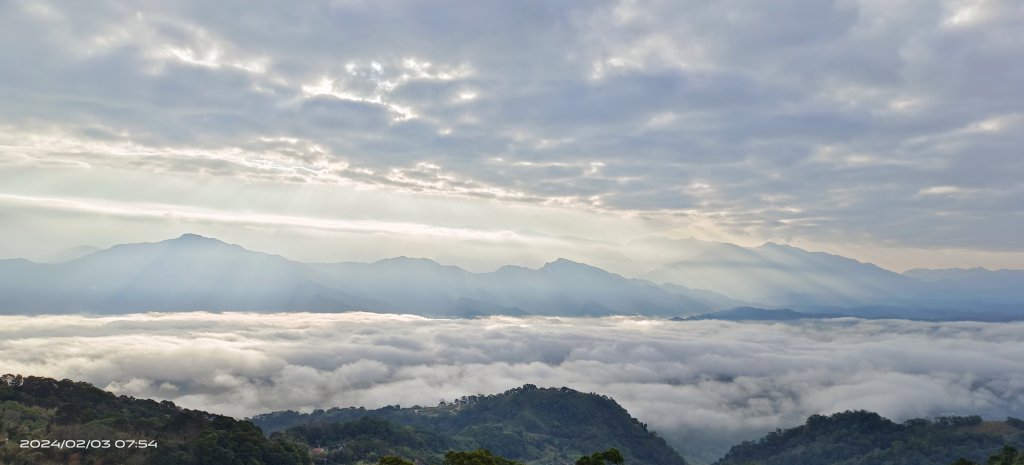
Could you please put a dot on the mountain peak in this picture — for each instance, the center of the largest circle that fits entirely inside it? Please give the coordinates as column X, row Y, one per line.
column 196, row 240
column 413, row 262
column 564, row 263
column 183, row 243
column 194, row 237
column 791, row 249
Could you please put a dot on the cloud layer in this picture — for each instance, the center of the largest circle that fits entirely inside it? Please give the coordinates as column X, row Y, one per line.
column 885, row 123
column 682, row 378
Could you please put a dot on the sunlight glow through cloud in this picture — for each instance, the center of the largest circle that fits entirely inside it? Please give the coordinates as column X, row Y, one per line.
column 241, row 218
column 851, row 122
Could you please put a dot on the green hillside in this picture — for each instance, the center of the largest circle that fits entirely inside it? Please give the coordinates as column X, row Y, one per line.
column 865, row 438
column 44, row 409
column 1007, row 456
column 369, row 439
column 529, row 424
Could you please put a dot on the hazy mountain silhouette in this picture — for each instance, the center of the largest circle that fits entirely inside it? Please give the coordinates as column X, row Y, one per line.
column 188, row 273
column 775, row 274
column 71, row 253
column 193, row 272
column 975, row 284
column 758, row 314
column 198, row 273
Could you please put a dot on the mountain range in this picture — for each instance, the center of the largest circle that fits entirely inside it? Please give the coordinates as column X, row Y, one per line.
column 192, row 272
column 198, row 273
column 758, row 314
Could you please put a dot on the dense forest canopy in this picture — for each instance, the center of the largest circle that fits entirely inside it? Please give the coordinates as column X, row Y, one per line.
column 44, row 409
column 866, row 438
column 1007, row 456
column 528, row 424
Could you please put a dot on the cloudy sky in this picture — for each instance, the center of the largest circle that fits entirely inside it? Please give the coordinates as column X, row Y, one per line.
column 889, row 131
column 719, row 381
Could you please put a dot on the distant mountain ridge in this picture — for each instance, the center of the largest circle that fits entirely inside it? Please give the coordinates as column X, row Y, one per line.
column 193, row 272
column 757, row 314
column 774, row 274
column 69, row 254
column 781, row 276
column 978, row 284
column 198, row 273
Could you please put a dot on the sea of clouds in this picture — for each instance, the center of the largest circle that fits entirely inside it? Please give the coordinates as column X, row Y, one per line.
column 681, row 378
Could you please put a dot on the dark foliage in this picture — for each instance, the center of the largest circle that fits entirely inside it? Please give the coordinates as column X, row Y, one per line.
column 47, row 409
column 864, row 438
column 392, row 460
column 486, row 457
column 527, row 424
column 1007, row 456
column 608, row 457
column 475, row 457
column 369, row 440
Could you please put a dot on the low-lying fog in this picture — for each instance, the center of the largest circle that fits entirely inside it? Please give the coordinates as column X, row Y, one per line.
column 682, row 378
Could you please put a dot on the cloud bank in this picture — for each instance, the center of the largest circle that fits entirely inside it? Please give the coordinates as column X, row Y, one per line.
column 682, row 378
column 882, row 123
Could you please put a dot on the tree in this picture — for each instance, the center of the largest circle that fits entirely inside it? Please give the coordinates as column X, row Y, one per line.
column 1008, row 456
column 476, row 457
column 392, row 460
column 608, row 457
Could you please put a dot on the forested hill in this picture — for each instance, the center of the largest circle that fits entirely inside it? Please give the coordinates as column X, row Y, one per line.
column 864, row 438
column 44, row 409
column 528, row 424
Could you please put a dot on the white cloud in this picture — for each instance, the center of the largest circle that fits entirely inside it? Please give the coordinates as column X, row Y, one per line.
column 905, row 95
column 682, row 378
column 943, row 190
column 137, row 211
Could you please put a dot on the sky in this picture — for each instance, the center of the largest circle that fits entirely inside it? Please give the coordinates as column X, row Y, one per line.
column 694, row 382
column 485, row 133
